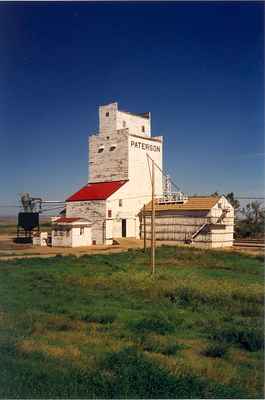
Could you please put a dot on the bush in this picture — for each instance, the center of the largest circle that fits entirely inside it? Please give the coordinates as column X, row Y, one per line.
column 249, row 339
column 98, row 317
column 158, row 323
column 215, row 350
column 161, row 344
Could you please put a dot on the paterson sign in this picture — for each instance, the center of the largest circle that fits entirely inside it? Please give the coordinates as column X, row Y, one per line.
column 145, row 146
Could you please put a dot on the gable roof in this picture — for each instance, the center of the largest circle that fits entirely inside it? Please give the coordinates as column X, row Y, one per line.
column 65, row 219
column 70, row 220
column 198, row 203
column 96, row 191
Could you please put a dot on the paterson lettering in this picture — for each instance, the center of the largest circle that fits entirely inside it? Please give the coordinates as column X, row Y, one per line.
column 145, row 146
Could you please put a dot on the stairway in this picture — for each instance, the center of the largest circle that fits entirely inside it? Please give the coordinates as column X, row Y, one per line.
column 196, row 233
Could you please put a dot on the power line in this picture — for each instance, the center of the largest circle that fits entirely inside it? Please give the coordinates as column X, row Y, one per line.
column 162, row 172
column 250, row 198
column 133, row 197
column 53, row 208
column 6, row 205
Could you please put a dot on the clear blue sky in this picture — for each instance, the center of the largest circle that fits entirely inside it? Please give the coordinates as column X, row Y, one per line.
column 199, row 69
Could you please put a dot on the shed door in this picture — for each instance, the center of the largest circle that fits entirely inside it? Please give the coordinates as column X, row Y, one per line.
column 123, row 227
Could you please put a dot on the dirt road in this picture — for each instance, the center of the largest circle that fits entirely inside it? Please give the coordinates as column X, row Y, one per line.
column 10, row 250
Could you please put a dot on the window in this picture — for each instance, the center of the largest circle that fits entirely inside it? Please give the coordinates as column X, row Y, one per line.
column 101, row 149
column 109, row 213
column 113, row 147
column 219, row 205
column 120, row 203
column 94, row 242
column 124, row 124
column 82, row 230
column 107, row 114
column 107, row 137
column 68, row 233
column 143, row 129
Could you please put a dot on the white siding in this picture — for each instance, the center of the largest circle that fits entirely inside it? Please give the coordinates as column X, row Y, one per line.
column 71, row 236
column 135, row 123
column 94, row 211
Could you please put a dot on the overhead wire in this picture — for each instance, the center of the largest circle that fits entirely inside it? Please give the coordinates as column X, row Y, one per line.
column 163, row 173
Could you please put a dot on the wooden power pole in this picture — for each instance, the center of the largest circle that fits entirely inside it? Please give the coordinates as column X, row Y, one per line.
column 153, row 221
column 144, row 221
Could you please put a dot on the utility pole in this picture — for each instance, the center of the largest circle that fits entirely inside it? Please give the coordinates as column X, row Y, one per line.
column 144, row 221
column 153, row 221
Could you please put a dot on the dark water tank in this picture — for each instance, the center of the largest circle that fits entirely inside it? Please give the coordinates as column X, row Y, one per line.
column 28, row 220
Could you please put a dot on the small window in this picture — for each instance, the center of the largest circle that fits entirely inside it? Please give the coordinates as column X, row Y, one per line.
column 124, row 124
column 109, row 213
column 120, row 203
column 113, row 147
column 100, row 150
column 82, row 230
column 219, row 205
column 68, row 233
column 94, row 242
column 107, row 137
column 107, row 114
column 143, row 129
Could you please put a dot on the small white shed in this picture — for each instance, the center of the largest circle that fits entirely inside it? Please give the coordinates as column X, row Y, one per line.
column 71, row 232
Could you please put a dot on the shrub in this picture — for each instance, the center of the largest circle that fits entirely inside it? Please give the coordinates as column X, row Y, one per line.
column 161, row 344
column 247, row 338
column 215, row 350
column 158, row 323
column 98, row 317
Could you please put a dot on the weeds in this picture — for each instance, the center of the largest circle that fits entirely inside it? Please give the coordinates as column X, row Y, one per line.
column 98, row 317
column 166, row 345
column 215, row 350
column 251, row 339
column 158, row 323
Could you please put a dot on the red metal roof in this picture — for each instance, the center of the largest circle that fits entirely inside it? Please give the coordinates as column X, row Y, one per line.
column 96, row 191
column 65, row 219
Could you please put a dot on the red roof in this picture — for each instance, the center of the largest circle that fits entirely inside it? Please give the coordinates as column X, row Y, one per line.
column 65, row 219
column 96, row 191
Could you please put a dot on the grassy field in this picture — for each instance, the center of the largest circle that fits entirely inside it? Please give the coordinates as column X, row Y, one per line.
column 101, row 326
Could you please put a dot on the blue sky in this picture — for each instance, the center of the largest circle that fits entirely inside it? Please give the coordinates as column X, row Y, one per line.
column 198, row 67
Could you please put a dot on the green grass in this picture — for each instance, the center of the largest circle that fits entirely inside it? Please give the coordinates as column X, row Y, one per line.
column 101, row 326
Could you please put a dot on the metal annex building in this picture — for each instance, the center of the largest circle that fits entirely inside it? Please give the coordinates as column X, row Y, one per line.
column 205, row 221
